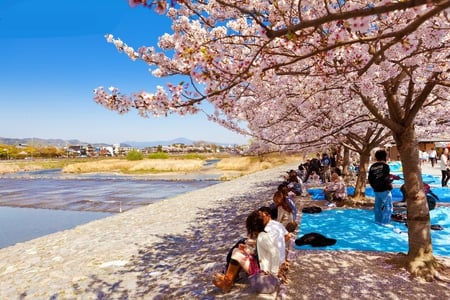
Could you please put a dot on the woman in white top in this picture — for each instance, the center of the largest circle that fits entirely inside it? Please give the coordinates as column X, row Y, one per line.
column 445, row 167
column 268, row 254
column 279, row 232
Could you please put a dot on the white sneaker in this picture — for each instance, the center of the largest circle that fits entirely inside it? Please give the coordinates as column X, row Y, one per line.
column 332, row 204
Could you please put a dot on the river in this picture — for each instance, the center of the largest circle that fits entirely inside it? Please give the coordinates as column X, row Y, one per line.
column 34, row 204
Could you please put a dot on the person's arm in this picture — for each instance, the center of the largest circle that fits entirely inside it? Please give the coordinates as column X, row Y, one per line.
column 370, row 177
column 292, row 205
column 280, row 214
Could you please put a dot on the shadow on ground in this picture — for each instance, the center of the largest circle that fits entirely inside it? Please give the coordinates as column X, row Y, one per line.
column 182, row 266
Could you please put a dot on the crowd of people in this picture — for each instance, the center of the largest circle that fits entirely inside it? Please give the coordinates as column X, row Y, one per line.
column 432, row 156
column 270, row 233
column 271, row 229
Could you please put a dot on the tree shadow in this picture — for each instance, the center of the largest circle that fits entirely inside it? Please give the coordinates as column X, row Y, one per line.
column 181, row 266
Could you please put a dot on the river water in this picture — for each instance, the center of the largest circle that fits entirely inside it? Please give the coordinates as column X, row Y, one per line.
column 34, row 204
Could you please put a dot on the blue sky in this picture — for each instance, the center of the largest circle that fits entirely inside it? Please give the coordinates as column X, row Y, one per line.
column 53, row 54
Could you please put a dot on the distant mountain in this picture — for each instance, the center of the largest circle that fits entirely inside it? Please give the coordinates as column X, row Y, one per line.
column 39, row 142
column 141, row 145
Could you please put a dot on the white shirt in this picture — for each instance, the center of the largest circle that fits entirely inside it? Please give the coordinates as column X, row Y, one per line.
column 278, row 233
column 268, row 254
column 433, row 154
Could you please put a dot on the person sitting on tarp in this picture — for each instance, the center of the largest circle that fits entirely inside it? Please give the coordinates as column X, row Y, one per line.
column 335, row 191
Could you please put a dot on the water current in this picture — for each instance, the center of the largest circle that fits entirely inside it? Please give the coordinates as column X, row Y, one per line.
column 34, row 204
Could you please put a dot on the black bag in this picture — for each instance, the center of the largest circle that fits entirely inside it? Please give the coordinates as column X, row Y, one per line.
column 311, row 210
column 315, row 239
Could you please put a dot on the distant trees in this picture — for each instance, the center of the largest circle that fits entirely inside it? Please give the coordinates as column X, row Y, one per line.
column 135, row 155
column 21, row 152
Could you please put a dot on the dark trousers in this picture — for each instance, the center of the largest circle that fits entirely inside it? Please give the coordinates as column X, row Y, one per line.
column 445, row 177
column 433, row 161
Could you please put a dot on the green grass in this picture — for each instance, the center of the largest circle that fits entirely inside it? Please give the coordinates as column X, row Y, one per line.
column 158, row 155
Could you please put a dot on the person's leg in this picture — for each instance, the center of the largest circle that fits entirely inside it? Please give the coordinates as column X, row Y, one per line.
column 239, row 259
column 225, row 282
column 242, row 258
column 387, row 208
column 377, row 207
column 444, row 177
column 448, row 177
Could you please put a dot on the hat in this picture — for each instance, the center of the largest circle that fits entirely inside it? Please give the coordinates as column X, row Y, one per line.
column 315, row 239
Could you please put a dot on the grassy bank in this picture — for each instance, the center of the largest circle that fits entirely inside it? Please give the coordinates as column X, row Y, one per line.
column 176, row 164
column 13, row 166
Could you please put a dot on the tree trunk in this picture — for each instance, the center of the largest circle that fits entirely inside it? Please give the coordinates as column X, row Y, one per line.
column 360, row 187
column 420, row 260
column 345, row 161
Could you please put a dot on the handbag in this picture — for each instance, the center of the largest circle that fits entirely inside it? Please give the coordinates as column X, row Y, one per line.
column 264, row 283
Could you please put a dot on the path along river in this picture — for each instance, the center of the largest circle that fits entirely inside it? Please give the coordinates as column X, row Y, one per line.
column 33, row 204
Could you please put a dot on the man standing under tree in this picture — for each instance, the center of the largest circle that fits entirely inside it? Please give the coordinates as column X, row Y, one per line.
column 379, row 179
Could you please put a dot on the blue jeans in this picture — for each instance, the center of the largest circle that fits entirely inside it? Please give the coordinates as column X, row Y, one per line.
column 383, row 207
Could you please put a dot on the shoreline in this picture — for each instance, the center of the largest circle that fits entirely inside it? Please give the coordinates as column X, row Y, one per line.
column 145, row 253
column 171, row 249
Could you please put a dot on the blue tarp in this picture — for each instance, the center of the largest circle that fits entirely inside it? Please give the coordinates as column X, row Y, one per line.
column 355, row 229
column 443, row 193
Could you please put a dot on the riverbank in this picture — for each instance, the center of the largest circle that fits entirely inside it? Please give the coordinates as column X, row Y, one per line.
column 171, row 249
column 168, row 249
column 177, row 167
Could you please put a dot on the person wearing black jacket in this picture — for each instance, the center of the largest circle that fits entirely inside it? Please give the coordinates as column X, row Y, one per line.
column 379, row 179
column 314, row 166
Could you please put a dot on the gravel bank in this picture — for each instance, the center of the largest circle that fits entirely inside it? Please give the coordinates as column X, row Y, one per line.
column 166, row 250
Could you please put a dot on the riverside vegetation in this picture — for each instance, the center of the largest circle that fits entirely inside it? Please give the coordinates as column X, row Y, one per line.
column 154, row 164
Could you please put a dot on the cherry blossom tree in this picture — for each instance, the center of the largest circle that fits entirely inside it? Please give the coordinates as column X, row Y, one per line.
column 298, row 121
column 392, row 55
